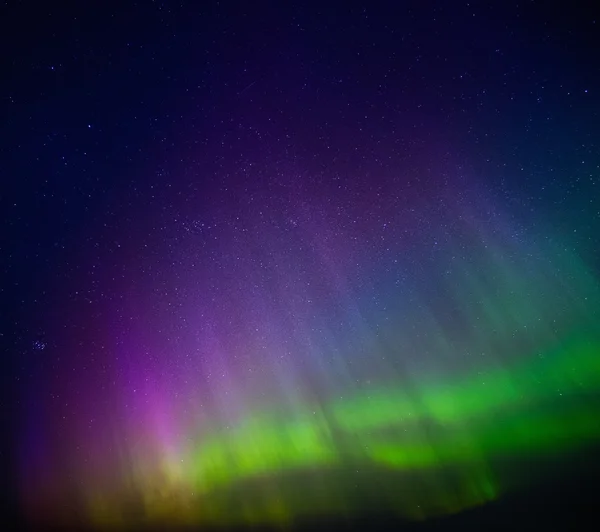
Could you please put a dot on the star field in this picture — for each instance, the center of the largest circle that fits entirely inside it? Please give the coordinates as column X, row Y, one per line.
column 283, row 262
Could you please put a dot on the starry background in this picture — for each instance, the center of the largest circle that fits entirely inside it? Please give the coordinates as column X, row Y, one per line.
column 245, row 241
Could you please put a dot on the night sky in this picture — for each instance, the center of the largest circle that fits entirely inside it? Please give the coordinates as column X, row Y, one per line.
column 263, row 263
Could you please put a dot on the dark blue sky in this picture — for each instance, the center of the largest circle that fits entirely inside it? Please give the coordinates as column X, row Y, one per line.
column 127, row 127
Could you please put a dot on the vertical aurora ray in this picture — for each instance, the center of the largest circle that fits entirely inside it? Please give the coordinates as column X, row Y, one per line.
column 290, row 369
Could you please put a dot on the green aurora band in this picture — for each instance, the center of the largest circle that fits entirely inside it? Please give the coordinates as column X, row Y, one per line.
column 546, row 405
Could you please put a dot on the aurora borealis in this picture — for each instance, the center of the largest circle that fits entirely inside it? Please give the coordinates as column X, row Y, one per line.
column 511, row 372
column 289, row 264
